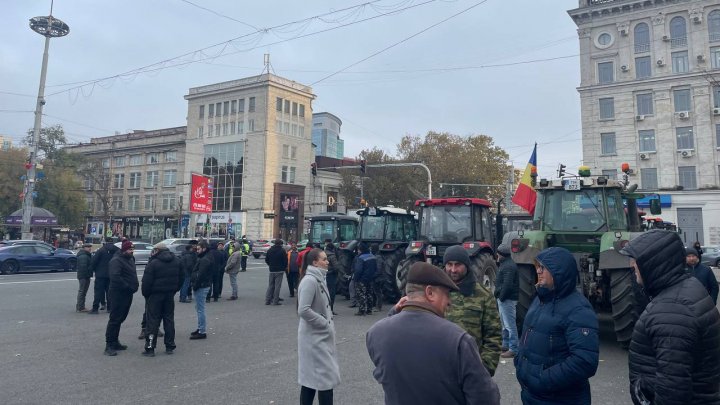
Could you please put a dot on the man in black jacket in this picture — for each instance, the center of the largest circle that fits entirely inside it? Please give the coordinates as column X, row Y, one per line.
column 162, row 278
column 276, row 259
column 507, row 286
column 201, row 280
column 84, row 274
column 99, row 265
column 701, row 272
column 187, row 261
column 123, row 284
column 675, row 348
column 220, row 258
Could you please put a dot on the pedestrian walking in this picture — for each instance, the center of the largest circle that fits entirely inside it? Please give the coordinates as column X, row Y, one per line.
column 245, row 250
column 674, row 355
column 559, row 349
column 84, row 274
column 365, row 267
column 276, row 259
column 201, row 280
column 421, row 358
column 292, row 269
column 332, row 272
column 220, row 258
column 507, row 288
column 188, row 260
column 232, row 268
column 318, row 369
column 701, row 272
column 123, row 284
column 100, row 265
column 698, row 248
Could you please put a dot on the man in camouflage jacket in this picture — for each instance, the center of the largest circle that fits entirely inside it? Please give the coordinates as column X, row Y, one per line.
column 473, row 308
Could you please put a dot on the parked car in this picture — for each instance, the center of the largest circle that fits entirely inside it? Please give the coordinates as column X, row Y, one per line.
column 302, row 244
column 141, row 253
column 261, row 246
column 175, row 241
column 711, row 255
column 28, row 257
column 31, row 242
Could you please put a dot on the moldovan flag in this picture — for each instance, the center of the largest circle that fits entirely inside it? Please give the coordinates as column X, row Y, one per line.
column 525, row 195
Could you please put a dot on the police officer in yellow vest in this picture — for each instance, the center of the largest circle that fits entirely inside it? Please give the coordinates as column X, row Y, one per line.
column 245, row 246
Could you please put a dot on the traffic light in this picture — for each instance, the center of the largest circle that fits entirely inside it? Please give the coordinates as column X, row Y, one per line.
column 561, row 170
column 363, row 169
column 313, row 168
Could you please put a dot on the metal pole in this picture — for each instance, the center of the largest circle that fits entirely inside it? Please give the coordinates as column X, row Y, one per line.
column 429, row 182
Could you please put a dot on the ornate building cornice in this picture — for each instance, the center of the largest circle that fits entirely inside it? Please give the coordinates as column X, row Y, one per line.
column 597, row 9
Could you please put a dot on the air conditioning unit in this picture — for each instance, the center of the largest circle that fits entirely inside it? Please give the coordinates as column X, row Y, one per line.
column 666, row 38
column 716, row 111
column 697, row 19
column 624, row 32
column 624, row 68
column 639, row 118
column 687, row 153
column 701, row 58
column 683, row 115
column 660, row 62
column 644, row 156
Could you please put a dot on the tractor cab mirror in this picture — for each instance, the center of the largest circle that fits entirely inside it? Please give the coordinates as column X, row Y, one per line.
column 655, row 206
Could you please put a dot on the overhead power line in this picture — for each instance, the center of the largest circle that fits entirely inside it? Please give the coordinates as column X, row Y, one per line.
column 220, row 14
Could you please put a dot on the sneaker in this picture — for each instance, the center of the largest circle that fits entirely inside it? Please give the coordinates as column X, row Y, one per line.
column 149, row 353
column 507, row 354
column 368, row 312
column 280, row 299
column 359, row 313
column 81, row 310
column 267, row 303
column 504, row 349
column 198, row 336
column 233, row 298
column 102, row 307
column 93, row 312
column 119, row 346
column 195, row 332
column 109, row 351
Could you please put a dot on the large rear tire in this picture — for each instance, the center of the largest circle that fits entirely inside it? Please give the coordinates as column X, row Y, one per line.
column 387, row 264
column 627, row 303
column 402, row 271
column 527, row 278
column 485, row 270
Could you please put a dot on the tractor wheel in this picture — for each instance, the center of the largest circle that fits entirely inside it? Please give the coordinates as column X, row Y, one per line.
column 627, row 301
column 402, row 270
column 387, row 264
column 527, row 278
column 345, row 259
column 485, row 270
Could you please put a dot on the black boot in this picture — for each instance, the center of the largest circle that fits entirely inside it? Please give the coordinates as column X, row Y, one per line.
column 109, row 351
column 142, row 334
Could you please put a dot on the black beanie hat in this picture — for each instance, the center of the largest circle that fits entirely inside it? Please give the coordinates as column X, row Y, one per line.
column 457, row 253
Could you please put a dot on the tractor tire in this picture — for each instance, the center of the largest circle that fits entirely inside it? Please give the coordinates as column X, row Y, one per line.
column 402, row 270
column 485, row 270
column 527, row 278
column 345, row 259
column 627, row 301
column 387, row 265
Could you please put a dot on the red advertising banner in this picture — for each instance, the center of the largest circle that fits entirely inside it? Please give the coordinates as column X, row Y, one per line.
column 201, row 194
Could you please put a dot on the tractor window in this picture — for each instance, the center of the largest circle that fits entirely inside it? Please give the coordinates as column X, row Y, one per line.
column 486, row 226
column 616, row 211
column 450, row 224
column 322, row 230
column 410, row 229
column 348, row 230
column 394, row 227
column 581, row 211
column 372, row 228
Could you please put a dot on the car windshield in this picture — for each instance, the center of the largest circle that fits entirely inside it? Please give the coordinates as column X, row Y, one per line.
column 448, row 224
column 585, row 210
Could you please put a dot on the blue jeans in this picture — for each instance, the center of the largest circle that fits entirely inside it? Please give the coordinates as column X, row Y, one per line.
column 185, row 289
column 507, row 316
column 200, row 293
column 233, row 283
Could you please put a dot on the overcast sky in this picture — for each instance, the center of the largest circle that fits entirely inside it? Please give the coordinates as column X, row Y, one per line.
column 444, row 79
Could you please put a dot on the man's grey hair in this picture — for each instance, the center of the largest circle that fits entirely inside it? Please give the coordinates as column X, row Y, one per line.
column 412, row 289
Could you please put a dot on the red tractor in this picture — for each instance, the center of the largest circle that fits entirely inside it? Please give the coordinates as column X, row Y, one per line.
column 445, row 222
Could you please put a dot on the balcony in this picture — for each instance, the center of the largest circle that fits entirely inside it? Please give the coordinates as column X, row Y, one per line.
column 680, row 42
column 715, row 37
column 642, row 48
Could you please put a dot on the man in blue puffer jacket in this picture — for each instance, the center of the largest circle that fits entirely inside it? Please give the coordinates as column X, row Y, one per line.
column 559, row 349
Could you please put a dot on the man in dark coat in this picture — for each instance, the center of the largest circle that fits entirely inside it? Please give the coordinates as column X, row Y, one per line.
column 162, row 278
column 675, row 348
column 293, row 269
column 701, row 272
column 220, row 258
column 507, row 287
column 123, row 284
column 84, row 274
column 364, row 269
column 187, row 261
column 421, row 358
column 276, row 259
column 100, row 264
column 201, row 280
column 559, row 349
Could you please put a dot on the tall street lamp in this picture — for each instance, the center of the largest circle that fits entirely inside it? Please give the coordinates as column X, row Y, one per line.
column 49, row 27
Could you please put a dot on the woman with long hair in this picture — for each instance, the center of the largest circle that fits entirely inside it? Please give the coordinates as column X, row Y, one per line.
column 318, row 369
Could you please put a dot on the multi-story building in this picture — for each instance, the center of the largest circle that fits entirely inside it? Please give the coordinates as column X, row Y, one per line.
column 326, row 135
column 5, row 142
column 650, row 96
column 132, row 183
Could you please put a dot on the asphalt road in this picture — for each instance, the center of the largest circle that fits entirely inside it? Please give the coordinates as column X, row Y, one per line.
column 52, row 355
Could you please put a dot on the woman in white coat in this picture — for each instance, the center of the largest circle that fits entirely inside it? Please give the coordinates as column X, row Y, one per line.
column 318, row 368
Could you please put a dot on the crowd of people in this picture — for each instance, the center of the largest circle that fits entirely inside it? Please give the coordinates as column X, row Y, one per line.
column 441, row 343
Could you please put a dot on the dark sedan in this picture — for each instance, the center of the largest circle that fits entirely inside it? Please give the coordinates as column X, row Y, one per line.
column 711, row 255
column 17, row 258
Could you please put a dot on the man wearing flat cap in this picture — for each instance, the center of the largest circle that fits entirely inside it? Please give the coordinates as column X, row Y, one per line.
column 422, row 358
column 674, row 355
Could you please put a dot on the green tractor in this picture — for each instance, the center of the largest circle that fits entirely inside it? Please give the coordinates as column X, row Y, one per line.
column 593, row 217
column 342, row 230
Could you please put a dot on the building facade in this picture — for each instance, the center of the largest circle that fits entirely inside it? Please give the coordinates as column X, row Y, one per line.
column 5, row 142
column 650, row 96
column 326, row 135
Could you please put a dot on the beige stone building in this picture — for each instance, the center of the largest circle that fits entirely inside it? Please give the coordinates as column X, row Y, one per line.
column 650, row 96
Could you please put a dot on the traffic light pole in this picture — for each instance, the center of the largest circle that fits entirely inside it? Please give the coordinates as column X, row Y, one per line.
column 429, row 175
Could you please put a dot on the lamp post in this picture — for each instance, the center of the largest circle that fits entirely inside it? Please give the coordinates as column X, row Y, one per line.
column 49, row 27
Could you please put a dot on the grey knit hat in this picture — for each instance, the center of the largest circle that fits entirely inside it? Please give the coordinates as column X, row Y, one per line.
column 457, row 253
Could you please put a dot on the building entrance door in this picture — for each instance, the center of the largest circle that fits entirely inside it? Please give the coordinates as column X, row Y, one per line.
column 690, row 222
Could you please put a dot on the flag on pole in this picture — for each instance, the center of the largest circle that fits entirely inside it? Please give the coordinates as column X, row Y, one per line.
column 525, row 195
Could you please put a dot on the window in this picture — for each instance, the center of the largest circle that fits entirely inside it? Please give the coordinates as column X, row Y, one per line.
column 151, row 179
column 119, row 161
column 643, row 67
column 294, row 130
column 87, row 183
column 171, row 156
column 717, row 135
column 293, row 152
column 210, row 131
column 225, row 129
column 292, row 175
column 681, row 99
column 294, row 108
column 287, row 106
column 286, row 152
column 610, row 173
column 117, row 203
column 647, row 140
column 169, row 178
column 200, row 132
column 607, row 143
column 133, row 202
column 301, row 131
column 202, row 111
column 135, row 179
column 240, row 127
column 211, row 110
column 149, row 203
column 153, row 158
column 286, row 128
column 686, row 177
column 680, row 62
column 226, row 108
column 715, row 57
column 713, row 21
column 606, row 72
column 278, row 126
column 168, row 202
column 284, row 174
column 106, row 163
column 218, row 109
column 678, row 33
column 278, row 104
column 136, row 160
column 217, row 129
column 288, row 174
column 648, row 179
column 645, row 104
column 251, row 104
column 685, row 138
column 233, row 106
column 604, row 39
column 232, row 128
column 642, row 38
column 302, row 110
column 119, row 180
column 241, row 105
column 607, row 108
column 251, row 125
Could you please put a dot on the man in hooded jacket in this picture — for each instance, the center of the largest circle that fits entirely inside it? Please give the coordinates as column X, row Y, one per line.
column 675, row 348
column 162, row 278
column 701, row 272
column 559, row 349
